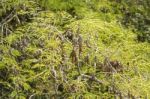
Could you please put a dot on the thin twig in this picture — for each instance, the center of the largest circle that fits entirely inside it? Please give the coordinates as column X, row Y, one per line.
column 8, row 18
column 92, row 78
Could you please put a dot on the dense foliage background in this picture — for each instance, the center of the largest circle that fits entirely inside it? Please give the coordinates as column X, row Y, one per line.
column 84, row 49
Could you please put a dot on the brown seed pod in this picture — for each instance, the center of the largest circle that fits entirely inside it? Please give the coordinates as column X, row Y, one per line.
column 80, row 40
column 112, row 66
column 73, row 56
column 69, row 34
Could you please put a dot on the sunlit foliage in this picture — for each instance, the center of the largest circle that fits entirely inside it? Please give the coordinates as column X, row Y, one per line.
column 82, row 49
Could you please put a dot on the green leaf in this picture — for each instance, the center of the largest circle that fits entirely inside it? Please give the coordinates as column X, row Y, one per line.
column 22, row 97
column 15, row 53
column 2, row 65
column 26, row 86
column 13, row 94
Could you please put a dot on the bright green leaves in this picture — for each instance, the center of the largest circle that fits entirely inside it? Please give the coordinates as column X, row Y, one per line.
column 37, row 55
column 60, row 4
column 26, row 86
column 15, row 53
column 2, row 65
column 13, row 94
